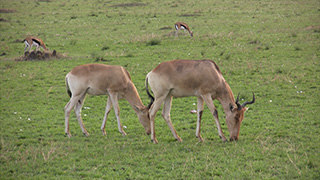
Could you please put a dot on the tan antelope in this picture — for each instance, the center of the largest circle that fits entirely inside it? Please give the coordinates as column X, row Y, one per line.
column 200, row 78
column 184, row 26
column 30, row 41
column 100, row 79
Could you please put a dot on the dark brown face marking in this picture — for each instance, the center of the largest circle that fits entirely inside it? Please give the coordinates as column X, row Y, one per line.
column 240, row 115
column 237, row 117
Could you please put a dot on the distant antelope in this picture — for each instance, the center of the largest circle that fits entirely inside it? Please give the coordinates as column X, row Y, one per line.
column 184, row 26
column 30, row 41
column 200, row 78
column 99, row 79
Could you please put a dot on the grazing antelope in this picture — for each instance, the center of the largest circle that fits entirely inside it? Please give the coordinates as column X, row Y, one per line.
column 200, row 78
column 184, row 26
column 30, row 41
column 100, row 79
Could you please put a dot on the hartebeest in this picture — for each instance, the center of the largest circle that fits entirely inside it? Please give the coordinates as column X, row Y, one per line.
column 100, row 79
column 184, row 26
column 200, row 78
column 30, row 41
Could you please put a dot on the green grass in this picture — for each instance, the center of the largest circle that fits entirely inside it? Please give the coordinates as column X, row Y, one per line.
column 271, row 48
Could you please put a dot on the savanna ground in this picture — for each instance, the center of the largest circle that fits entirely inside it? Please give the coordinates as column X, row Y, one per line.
column 271, row 48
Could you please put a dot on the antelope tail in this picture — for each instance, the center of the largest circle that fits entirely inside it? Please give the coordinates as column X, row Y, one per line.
column 67, row 86
column 150, row 96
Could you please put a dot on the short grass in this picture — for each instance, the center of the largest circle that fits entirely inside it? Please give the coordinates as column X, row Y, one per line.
column 271, row 48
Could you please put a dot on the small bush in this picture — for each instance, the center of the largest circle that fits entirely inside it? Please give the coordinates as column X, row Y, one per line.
column 130, row 55
column 294, row 35
column 105, row 48
column 40, row 55
column 153, row 42
column 255, row 41
column 73, row 42
column 297, row 48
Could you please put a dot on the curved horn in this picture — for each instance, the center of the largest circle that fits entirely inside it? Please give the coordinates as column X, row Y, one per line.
column 249, row 102
column 237, row 102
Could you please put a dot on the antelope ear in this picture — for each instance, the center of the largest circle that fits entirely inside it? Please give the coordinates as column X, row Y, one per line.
column 230, row 107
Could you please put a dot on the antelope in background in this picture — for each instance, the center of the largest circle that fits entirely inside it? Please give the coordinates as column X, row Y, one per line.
column 30, row 41
column 200, row 78
column 100, row 79
column 184, row 26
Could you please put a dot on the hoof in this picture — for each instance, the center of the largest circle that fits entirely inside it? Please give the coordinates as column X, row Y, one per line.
column 155, row 141
column 68, row 134
column 123, row 133
column 200, row 138
column 103, row 132
column 223, row 139
column 234, row 139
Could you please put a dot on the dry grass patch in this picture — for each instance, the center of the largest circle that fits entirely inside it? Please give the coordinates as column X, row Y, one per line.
column 128, row 5
column 40, row 55
column 7, row 10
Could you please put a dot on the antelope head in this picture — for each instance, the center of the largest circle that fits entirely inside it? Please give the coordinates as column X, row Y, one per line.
column 143, row 116
column 235, row 117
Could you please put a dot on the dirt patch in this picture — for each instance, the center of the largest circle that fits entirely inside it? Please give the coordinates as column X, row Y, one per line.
column 256, row 41
column 169, row 34
column 40, row 55
column 7, row 10
column 18, row 41
column 3, row 20
column 128, row 5
column 313, row 28
column 189, row 15
column 165, row 28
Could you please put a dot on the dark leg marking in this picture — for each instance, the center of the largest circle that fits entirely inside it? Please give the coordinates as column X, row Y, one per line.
column 215, row 113
column 200, row 115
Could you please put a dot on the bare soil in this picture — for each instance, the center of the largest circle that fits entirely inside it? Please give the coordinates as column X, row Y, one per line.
column 40, row 55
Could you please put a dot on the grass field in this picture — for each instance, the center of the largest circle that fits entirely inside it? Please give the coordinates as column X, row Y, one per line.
column 271, row 48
